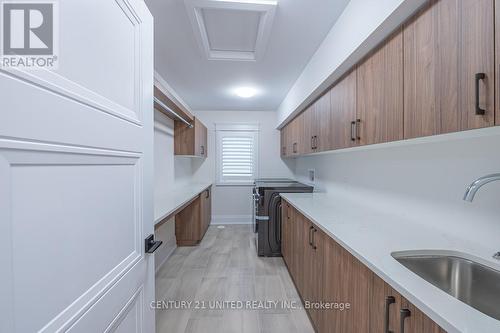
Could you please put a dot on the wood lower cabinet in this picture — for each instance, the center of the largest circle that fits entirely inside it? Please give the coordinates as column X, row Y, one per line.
column 326, row 273
column 297, row 251
column 192, row 222
column 380, row 94
column 446, row 45
column 205, row 209
column 286, row 233
column 391, row 312
column 385, row 306
column 190, row 141
column 412, row 320
column 313, row 272
column 347, row 281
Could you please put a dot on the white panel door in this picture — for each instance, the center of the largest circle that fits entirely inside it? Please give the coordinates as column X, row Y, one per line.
column 76, row 177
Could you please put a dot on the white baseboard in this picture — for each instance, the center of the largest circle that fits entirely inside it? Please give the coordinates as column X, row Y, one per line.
column 231, row 219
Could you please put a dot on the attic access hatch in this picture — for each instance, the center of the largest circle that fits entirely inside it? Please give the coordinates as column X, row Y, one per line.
column 230, row 29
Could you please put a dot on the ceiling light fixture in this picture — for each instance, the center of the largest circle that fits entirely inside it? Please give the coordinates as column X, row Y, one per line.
column 245, row 92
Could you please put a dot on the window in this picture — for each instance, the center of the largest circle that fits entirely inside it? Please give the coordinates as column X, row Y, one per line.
column 237, row 153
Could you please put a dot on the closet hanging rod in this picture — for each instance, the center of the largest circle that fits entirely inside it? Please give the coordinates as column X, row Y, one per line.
column 172, row 112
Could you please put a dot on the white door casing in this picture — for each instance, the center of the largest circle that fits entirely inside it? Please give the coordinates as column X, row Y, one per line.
column 76, row 177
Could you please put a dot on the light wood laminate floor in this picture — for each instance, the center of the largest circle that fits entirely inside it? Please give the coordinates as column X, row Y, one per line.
column 225, row 267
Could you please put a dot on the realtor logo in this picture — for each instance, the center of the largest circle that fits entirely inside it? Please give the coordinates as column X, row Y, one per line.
column 29, row 34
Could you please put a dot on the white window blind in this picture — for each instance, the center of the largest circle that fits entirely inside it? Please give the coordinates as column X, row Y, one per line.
column 237, row 156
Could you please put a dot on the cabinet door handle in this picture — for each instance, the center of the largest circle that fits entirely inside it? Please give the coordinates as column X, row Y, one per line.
column 295, row 147
column 312, row 142
column 313, row 241
column 353, row 129
column 315, row 142
column 388, row 301
column 310, row 235
column 358, row 129
column 479, row 77
column 405, row 313
column 208, row 194
column 202, row 150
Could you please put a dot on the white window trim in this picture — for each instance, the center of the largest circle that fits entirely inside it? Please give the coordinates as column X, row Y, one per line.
column 236, row 127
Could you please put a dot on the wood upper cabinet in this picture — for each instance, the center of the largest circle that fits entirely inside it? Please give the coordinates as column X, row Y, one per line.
column 434, row 75
column 343, row 113
column 321, row 124
column 304, row 138
column 380, row 93
column 283, row 142
column 200, row 138
column 446, row 45
column 293, row 136
column 190, row 141
column 478, row 57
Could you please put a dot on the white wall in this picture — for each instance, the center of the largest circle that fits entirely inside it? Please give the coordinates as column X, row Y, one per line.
column 362, row 26
column 422, row 182
column 232, row 204
column 169, row 171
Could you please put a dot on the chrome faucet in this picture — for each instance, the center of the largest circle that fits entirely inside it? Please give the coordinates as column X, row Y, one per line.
column 470, row 193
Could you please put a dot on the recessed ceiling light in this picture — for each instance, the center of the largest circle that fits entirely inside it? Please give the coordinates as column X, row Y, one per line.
column 245, row 92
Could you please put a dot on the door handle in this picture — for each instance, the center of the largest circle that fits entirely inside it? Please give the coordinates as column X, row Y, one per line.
column 353, row 129
column 310, row 235
column 479, row 77
column 358, row 129
column 405, row 313
column 388, row 301
column 312, row 142
column 150, row 245
column 208, row 194
column 313, row 241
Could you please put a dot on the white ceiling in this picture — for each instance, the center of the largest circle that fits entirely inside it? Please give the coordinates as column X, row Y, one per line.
column 298, row 28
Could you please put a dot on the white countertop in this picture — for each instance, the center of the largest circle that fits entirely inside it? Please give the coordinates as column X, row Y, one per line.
column 371, row 235
column 177, row 197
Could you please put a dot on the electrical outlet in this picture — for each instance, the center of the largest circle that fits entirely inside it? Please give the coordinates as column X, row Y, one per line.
column 311, row 173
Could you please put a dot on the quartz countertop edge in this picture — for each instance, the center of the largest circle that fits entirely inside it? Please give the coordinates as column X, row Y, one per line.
column 372, row 235
column 177, row 197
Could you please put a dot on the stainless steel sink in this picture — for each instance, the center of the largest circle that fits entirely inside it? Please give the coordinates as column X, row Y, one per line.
column 468, row 281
